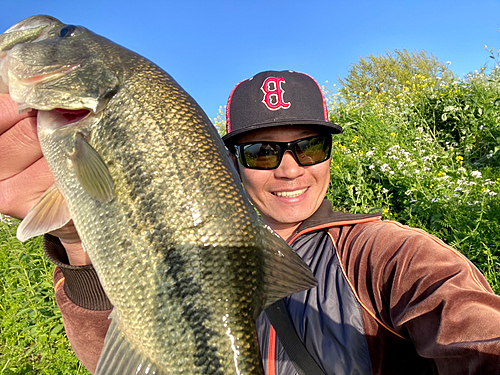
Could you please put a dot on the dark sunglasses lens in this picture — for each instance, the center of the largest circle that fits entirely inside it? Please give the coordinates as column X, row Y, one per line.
column 313, row 150
column 261, row 155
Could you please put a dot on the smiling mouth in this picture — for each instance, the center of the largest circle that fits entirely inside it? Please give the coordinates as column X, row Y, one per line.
column 289, row 194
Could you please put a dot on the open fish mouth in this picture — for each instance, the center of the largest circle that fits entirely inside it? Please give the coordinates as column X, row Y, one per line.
column 69, row 116
column 58, row 119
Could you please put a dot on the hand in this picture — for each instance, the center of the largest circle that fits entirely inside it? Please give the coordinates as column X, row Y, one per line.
column 24, row 174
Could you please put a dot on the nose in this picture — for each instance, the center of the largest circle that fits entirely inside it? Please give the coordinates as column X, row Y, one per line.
column 289, row 168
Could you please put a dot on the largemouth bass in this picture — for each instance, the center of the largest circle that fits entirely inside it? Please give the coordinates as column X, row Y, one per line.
column 182, row 255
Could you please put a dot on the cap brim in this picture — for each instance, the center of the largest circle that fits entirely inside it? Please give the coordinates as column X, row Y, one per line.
column 329, row 127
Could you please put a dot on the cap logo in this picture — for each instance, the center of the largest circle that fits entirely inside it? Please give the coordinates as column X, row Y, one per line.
column 273, row 93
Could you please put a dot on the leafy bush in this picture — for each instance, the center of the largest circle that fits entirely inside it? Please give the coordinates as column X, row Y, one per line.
column 426, row 156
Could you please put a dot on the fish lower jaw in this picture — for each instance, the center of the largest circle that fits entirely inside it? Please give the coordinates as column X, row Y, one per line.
column 289, row 194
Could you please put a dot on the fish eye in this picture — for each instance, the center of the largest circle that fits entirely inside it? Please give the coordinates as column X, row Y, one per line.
column 67, row 30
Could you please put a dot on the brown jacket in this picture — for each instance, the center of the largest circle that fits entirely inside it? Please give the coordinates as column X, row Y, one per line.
column 425, row 308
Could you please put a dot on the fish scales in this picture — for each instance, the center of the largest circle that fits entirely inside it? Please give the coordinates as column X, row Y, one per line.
column 179, row 250
column 157, row 184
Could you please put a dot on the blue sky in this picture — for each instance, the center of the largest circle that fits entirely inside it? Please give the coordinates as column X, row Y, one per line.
column 209, row 46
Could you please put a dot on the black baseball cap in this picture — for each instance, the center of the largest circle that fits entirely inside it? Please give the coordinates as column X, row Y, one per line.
column 276, row 98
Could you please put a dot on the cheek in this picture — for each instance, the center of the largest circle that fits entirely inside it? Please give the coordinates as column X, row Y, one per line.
column 253, row 182
column 323, row 174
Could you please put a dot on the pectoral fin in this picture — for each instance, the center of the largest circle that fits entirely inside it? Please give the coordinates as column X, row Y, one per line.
column 50, row 212
column 91, row 171
column 120, row 357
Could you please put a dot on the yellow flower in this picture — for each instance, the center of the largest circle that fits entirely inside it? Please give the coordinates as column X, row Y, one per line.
column 459, row 160
column 393, row 134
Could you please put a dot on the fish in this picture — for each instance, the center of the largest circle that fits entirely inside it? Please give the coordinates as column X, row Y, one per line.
column 180, row 251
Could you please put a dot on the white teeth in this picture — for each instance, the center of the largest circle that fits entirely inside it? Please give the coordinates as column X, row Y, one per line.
column 290, row 194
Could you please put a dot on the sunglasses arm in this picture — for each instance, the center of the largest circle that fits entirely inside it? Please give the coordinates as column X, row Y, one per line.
column 234, row 161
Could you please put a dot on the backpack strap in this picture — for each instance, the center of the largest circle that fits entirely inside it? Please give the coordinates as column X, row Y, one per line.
column 280, row 318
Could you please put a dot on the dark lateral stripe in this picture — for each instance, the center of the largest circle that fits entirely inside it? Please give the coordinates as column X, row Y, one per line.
column 206, row 355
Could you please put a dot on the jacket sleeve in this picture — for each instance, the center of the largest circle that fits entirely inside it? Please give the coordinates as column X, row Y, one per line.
column 431, row 295
column 84, row 306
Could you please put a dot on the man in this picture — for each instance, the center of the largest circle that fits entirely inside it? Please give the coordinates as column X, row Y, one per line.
column 390, row 299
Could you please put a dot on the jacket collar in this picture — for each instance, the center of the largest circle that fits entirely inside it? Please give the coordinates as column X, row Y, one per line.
column 326, row 217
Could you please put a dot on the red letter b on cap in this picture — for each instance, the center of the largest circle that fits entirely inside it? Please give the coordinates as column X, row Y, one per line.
column 273, row 94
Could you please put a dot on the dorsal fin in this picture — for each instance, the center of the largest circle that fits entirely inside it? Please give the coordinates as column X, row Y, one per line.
column 284, row 271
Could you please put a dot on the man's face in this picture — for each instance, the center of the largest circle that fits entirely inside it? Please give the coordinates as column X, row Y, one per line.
column 289, row 194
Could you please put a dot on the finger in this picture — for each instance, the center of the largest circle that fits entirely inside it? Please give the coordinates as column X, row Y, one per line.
column 20, row 148
column 20, row 192
column 8, row 113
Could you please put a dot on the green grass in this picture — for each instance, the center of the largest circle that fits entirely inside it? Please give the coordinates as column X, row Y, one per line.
column 32, row 338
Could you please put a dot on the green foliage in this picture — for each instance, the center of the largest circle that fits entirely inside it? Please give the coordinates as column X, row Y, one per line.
column 220, row 122
column 426, row 155
column 32, row 337
column 391, row 72
column 465, row 113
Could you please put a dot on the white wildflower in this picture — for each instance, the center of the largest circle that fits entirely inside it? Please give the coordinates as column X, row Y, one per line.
column 489, row 192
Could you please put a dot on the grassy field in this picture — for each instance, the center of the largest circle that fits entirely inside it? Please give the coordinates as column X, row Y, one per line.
column 32, row 338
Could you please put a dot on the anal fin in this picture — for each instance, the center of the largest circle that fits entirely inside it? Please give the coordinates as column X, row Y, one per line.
column 119, row 356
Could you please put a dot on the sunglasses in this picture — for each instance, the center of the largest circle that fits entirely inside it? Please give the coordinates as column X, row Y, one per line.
column 268, row 155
